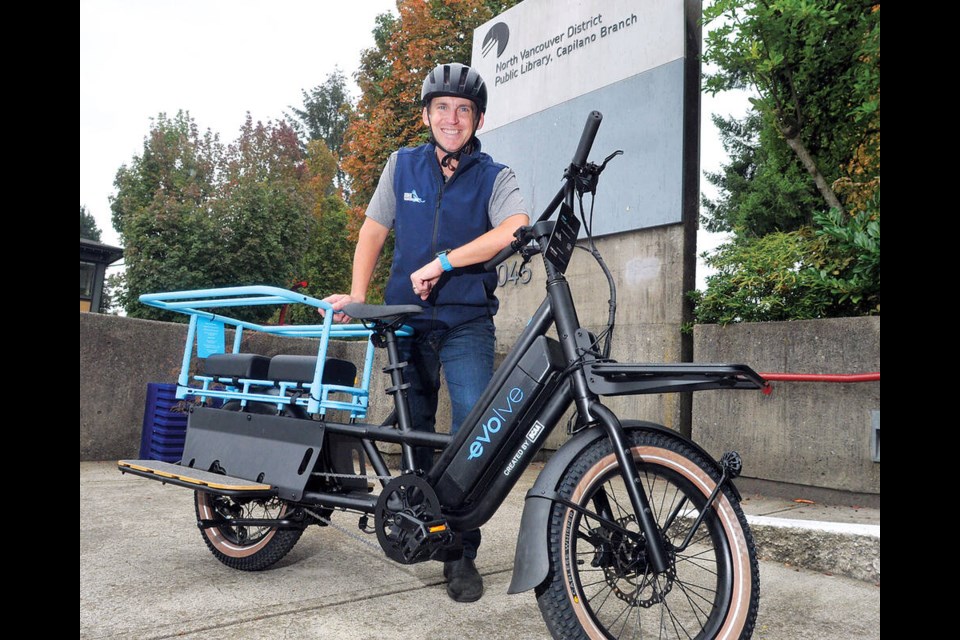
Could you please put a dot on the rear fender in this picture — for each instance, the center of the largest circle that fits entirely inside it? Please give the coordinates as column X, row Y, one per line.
column 531, row 564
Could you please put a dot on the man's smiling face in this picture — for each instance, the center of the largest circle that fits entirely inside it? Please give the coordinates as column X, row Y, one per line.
column 451, row 120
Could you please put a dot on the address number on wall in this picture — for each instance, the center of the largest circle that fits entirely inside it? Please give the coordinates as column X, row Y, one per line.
column 515, row 273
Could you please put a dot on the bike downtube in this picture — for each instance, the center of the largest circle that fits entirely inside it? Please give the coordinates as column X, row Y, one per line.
column 638, row 498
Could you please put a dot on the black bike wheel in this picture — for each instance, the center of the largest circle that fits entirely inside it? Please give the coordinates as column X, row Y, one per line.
column 601, row 585
column 244, row 547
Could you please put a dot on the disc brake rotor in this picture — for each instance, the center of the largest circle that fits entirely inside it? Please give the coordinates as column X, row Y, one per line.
column 628, row 564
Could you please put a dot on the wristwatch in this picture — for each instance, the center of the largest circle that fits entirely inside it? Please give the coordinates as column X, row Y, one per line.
column 444, row 261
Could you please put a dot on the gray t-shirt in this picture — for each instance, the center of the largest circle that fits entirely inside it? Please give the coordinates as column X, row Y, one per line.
column 505, row 199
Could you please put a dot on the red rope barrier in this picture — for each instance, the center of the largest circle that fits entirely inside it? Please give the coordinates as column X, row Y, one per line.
column 822, row 377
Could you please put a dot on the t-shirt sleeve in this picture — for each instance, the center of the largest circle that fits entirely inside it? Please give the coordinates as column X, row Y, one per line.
column 506, row 199
column 383, row 204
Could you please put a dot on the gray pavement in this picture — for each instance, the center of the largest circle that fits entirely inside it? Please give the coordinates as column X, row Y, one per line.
column 146, row 573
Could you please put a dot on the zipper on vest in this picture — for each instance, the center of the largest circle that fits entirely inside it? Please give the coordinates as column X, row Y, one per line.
column 436, row 227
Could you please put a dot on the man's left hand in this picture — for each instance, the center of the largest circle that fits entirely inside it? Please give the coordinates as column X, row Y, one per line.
column 425, row 278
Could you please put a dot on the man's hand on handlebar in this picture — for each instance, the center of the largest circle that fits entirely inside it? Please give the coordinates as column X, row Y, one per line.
column 338, row 301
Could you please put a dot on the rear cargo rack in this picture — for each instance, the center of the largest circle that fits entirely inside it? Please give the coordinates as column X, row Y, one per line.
column 206, row 337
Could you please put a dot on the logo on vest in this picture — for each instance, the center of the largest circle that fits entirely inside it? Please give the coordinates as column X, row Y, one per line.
column 411, row 196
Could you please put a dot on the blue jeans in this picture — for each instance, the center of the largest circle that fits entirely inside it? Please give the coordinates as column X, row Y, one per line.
column 465, row 355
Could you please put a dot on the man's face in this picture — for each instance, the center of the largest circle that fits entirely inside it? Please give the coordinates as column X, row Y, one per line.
column 451, row 121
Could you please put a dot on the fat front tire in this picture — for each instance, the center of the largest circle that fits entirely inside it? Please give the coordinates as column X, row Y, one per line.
column 600, row 583
column 244, row 547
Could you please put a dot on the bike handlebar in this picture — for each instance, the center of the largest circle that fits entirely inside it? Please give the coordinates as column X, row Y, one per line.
column 586, row 138
column 506, row 252
column 590, row 129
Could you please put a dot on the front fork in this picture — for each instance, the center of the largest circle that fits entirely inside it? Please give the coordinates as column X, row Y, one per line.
column 656, row 550
column 730, row 465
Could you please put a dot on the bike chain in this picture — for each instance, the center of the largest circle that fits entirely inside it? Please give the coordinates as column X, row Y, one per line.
column 344, row 530
column 327, row 521
column 350, row 475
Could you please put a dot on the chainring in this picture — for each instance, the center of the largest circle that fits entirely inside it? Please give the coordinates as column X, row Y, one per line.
column 407, row 519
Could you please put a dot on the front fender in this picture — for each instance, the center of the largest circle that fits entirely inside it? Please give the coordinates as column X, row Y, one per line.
column 531, row 564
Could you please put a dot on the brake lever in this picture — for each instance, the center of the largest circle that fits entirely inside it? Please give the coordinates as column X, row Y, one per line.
column 588, row 178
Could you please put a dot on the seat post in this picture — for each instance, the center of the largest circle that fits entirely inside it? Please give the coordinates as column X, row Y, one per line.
column 398, row 389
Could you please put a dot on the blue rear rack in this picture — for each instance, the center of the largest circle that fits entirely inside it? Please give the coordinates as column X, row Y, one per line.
column 205, row 337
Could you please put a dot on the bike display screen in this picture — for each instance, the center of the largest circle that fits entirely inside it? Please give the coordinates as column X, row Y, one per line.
column 563, row 239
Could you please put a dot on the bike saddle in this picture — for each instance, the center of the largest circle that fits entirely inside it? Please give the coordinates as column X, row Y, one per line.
column 386, row 313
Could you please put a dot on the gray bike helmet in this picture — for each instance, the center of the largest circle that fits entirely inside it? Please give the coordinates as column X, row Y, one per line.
column 457, row 80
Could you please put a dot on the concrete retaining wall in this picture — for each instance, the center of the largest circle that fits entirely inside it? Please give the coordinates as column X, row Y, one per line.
column 810, row 434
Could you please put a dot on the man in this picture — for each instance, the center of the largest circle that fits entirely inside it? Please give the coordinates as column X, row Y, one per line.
column 452, row 208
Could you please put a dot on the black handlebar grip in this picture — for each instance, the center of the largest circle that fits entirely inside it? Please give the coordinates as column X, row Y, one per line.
column 586, row 138
column 494, row 262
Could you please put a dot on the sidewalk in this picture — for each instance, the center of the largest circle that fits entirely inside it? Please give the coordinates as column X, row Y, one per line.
column 146, row 573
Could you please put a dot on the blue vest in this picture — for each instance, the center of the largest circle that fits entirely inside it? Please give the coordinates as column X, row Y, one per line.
column 432, row 216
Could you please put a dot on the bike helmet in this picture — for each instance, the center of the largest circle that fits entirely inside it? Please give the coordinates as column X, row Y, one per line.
column 457, row 80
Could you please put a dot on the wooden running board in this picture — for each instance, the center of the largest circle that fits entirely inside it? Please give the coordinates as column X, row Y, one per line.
column 186, row 476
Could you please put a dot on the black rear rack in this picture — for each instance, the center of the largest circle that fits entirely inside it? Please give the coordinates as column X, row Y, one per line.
column 617, row 379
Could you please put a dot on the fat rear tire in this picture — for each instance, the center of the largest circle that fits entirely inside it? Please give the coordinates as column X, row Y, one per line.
column 243, row 547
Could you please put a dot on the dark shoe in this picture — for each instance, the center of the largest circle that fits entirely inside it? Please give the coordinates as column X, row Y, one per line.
column 464, row 583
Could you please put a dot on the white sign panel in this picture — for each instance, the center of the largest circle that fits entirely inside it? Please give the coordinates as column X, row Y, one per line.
column 541, row 53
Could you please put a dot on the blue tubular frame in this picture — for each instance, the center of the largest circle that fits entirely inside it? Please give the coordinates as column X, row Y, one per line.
column 196, row 304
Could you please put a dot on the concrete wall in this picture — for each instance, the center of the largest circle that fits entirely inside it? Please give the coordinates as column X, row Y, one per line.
column 803, row 437
column 810, row 434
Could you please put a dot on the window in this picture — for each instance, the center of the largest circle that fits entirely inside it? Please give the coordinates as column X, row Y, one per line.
column 88, row 272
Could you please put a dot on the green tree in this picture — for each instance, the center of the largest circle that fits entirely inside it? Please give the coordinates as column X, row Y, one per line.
column 325, row 115
column 327, row 263
column 88, row 225
column 762, row 189
column 193, row 213
column 801, row 192
column 830, row 269
column 810, row 64
column 263, row 216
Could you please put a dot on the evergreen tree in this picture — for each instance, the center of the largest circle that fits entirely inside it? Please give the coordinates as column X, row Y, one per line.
column 801, row 193
column 88, row 225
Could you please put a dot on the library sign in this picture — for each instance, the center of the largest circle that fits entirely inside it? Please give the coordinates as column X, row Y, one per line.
column 543, row 52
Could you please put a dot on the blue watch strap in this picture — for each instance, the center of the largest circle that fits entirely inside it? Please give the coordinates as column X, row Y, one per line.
column 444, row 261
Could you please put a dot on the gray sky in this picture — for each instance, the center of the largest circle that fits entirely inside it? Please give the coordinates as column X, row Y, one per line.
column 219, row 59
